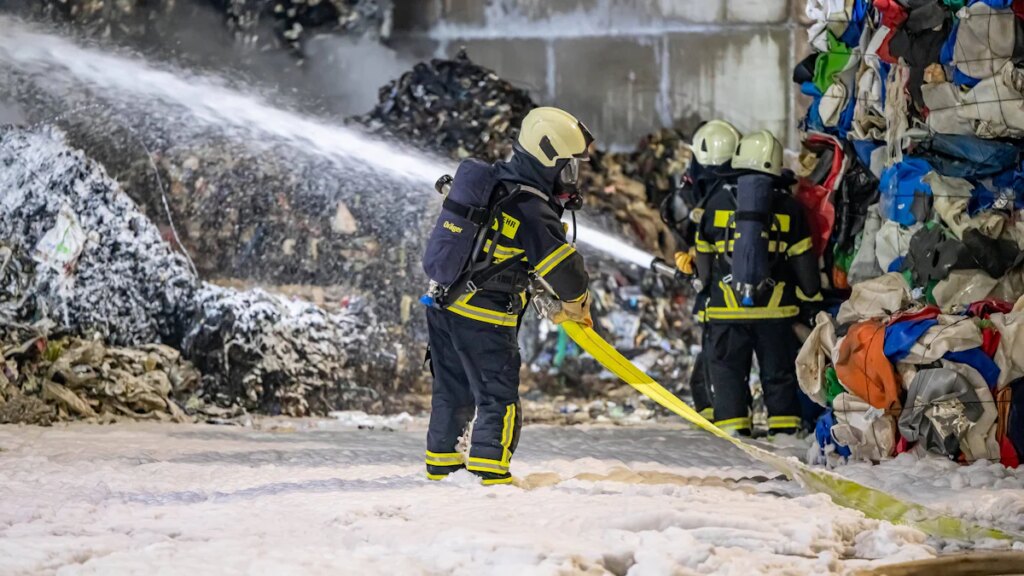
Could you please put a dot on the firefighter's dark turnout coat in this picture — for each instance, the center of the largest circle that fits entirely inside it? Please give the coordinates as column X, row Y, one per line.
column 736, row 333
column 473, row 343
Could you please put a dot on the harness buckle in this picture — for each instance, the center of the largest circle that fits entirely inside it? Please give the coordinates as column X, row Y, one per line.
column 471, row 287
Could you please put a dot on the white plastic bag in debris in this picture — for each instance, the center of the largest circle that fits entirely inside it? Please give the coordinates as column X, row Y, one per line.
column 61, row 246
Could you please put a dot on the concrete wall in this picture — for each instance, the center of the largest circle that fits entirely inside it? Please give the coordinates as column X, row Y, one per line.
column 626, row 67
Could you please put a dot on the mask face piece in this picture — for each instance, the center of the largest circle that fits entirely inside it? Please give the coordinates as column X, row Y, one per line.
column 674, row 211
column 569, row 177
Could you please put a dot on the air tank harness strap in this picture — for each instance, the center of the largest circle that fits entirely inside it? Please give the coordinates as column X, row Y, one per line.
column 477, row 216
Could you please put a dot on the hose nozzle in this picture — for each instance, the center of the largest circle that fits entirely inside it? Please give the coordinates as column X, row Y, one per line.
column 666, row 270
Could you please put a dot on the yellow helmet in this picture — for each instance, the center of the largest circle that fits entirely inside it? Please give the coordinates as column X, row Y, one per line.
column 759, row 151
column 715, row 143
column 550, row 134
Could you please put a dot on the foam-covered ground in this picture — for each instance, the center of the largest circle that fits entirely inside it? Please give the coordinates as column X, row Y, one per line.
column 306, row 497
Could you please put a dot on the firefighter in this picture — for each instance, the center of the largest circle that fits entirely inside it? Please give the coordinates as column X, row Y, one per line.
column 754, row 254
column 710, row 171
column 474, row 351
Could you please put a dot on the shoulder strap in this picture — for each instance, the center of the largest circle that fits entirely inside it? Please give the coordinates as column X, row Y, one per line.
column 475, row 215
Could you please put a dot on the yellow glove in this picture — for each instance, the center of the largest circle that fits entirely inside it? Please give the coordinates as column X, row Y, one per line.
column 577, row 311
column 684, row 262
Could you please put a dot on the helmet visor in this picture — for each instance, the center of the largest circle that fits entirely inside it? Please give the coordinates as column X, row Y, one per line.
column 570, row 174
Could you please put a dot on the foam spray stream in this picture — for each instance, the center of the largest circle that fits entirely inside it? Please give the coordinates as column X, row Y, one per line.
column 63, row 64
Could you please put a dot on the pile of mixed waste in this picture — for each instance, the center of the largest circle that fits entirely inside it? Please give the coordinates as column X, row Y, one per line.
column 460, row 109
column 43, row 381
column 80, row 260
column 912, row 175
column 453, row 107
column 256, row 24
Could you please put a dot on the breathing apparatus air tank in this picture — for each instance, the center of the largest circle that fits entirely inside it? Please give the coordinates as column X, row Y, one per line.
column 753, row 220
column 760, row 156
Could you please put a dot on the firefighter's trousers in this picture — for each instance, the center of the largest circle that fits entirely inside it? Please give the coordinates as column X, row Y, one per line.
column 732, row 346
column 476, row 371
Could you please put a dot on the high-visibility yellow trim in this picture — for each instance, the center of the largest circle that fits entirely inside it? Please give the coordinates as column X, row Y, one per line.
column 443, row 455
column 776, row 298
column 873, row 502
column 783, row 422
column 773, row 246
column 436, row 477
column 708, row 413
column 493, row 481
column 444, row 459
column 704, row 246
column 752, row 313
column 800, row 247
column 734, row 423
column 724, row 219
column 728, row 295
column 805, row 298
column 502, row 253
column 553, row 259
column 486, row 465
column 733, row 311
column 462, row 307
column 509, row 226
column 508, row 425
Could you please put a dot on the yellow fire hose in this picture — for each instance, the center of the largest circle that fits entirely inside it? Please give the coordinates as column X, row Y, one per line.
column 872, row 502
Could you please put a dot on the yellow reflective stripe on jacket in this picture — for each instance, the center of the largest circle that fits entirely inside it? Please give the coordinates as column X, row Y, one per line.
column 804, row 297
column 704, row 246
column 776, row 298
column 734, row 423
column 724, row 219
column 444, row 459
column 753, row 313
column 502, row 253
column 486, row 465
column 800, row 247
column 733, row 311
column 783, row 422
column 773, row 246
column 508, row 428
column 462, row 307
column 728, row 295
column 493, row 481
column 436, row 477
column 553, row 259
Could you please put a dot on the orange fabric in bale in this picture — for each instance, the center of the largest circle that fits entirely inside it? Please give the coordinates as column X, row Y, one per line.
column 864, row 370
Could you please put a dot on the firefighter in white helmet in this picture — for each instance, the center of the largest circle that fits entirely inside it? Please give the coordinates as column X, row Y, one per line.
column 755, row 255
column 710, row 171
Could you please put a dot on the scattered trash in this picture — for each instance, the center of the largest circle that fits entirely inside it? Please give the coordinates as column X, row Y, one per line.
column 46, row 381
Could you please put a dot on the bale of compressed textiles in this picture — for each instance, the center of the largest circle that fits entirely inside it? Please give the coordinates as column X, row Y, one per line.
column 453, row 107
